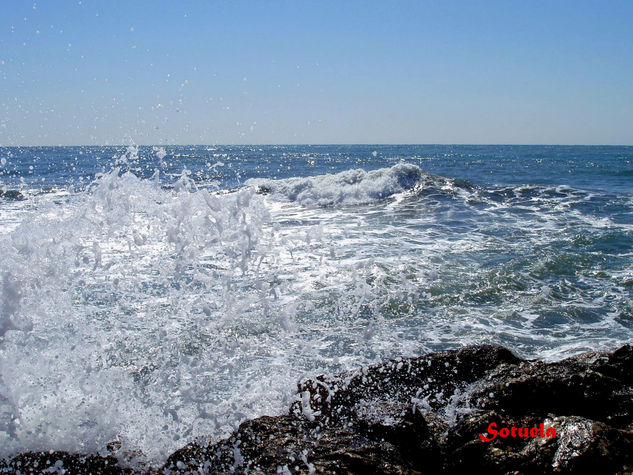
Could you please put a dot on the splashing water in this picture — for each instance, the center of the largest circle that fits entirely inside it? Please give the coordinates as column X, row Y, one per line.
column 154, row 308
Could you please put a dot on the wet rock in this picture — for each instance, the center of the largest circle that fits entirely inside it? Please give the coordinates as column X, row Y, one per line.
column 11, row 195
column 501, row 455
column 478, row 408
column 62, row 463
column 569, row 387
column 291, row 445
column 618, row 365
column 580, row 446
column 429, row 380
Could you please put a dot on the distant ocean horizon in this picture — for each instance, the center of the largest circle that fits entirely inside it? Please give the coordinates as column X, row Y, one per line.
column 326, row 144
column 156, row 294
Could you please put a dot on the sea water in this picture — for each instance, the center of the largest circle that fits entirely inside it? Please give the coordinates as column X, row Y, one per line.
column 159, row 295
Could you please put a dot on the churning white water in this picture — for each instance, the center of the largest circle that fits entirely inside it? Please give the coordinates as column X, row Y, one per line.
column 153, row 314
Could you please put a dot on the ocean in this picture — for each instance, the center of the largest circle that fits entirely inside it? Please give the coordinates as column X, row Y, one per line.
column 160, row 295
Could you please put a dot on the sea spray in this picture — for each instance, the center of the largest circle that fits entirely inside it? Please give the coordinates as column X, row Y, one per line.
column 129, row 287
column 155, row 300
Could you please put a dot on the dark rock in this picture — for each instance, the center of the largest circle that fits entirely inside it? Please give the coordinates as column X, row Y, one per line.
column 287, row 443
column 618, row 364
column 432, row 379
column 62, row 462
column 263, row 190
column 12, row 195
column 425, row 415
column 569, row 387
column 479, row 408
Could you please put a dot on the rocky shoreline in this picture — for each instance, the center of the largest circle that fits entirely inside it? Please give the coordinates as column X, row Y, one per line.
column 477, row 408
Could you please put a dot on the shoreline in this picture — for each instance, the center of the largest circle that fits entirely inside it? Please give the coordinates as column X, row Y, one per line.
column 427, row 414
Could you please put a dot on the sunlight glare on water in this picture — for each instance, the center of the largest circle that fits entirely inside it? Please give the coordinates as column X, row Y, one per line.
column 153, row 303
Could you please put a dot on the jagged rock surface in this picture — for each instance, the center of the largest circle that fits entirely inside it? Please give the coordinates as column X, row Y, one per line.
column 425, row 415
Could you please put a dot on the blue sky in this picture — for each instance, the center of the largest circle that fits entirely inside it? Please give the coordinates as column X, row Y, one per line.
column 223, row 72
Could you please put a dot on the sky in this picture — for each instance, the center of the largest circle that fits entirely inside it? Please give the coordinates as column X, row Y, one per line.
column 267, row 72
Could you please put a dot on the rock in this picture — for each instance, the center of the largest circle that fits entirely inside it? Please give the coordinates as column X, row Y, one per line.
column 62, row 462
column 431, row 380
column 477, row 408
column 267, row 444
column 12, row 195
column 568, row 387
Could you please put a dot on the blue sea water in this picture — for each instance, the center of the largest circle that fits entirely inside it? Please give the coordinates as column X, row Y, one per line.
column 153, row 295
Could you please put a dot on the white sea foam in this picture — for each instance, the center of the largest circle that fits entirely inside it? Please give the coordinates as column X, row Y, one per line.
column 120, row 291
column 153, row 316
column 348, row 187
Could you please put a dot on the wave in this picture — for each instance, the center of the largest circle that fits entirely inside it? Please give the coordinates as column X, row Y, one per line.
column 357, row 187
column 346, row 188
column 151, row 311
column 116, row 293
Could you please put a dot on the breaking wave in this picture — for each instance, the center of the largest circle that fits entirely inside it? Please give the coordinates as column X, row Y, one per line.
column 152, row 311
column 344, row 188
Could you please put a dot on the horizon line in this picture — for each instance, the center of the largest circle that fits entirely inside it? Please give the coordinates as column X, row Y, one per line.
column 410, row 144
